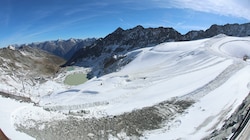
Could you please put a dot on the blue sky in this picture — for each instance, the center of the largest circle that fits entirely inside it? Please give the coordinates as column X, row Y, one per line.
column 26, row 21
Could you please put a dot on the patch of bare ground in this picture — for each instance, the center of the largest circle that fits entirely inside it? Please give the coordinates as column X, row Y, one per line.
column 131, row 124
column 16, row 97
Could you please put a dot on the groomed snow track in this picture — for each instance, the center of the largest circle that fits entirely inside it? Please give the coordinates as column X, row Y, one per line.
column 217, row 82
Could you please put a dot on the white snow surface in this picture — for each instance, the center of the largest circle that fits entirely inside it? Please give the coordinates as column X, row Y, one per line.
column 160, row 73
column 9, row 107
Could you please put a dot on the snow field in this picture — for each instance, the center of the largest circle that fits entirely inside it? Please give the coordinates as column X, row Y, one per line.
column 208, row 113
column 166, row 71
column 7, row 109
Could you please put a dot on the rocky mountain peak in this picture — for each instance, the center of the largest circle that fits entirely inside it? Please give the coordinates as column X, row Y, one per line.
column 141, row 37
column 11, row 47
column 118, row 30
column 138, row 27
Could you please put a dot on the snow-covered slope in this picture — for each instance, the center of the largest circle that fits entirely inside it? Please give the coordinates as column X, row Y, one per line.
column 8, row 106
column 194, row 86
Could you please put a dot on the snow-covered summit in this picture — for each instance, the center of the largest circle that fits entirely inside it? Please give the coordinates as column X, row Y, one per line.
column 11, row 47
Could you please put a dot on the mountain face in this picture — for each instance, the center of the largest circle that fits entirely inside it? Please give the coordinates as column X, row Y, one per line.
column 62, row 48
column 29, row 62
column 109, row 54
column 32, row 60
column 121, row 41
column 238, row 30
column 26, row 66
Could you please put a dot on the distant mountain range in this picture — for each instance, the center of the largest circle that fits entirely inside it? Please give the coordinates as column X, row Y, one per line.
column 238, row 30
column 108, row 54
column 62, row 48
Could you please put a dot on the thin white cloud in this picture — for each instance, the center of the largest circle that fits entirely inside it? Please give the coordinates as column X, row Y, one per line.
column 121, row 19
column 191, row 27
column 22, row 35
column 73, row 11
column 235, row 8
column 184, row 27
column 86, row 6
